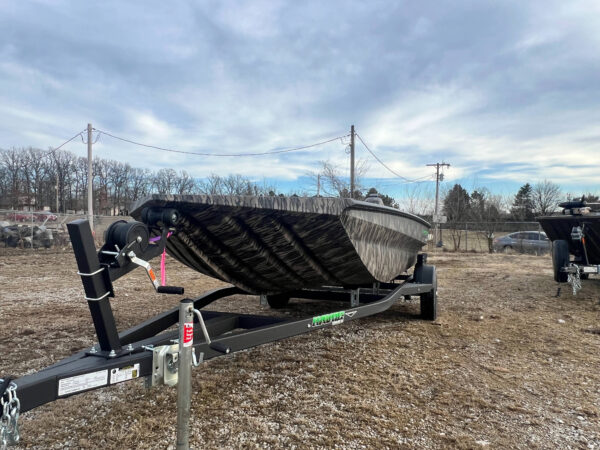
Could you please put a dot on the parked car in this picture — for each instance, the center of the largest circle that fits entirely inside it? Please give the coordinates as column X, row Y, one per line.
column 46, row 215
column 523, row 242
column 21, row 217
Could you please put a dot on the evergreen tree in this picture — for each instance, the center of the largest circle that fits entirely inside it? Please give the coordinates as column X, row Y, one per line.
column 457, row 204
column 522, row 207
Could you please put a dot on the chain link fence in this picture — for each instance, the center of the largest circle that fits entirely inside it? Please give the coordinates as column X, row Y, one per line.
column 44, row 230
column 483, row 237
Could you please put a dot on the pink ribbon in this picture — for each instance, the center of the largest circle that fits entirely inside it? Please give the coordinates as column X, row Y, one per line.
column 163, row 268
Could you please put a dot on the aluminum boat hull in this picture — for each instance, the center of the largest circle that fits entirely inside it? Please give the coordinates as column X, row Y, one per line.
column 268, row 245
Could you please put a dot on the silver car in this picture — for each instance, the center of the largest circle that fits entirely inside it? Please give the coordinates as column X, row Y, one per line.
column 524, row 242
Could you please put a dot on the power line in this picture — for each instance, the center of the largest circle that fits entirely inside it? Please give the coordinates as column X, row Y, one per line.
column 419, row 180
column 385, row 165
column 66, row 142
column 275, row 152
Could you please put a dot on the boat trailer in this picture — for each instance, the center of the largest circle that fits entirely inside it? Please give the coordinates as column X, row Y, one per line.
column 165, row 357
column 573, row 272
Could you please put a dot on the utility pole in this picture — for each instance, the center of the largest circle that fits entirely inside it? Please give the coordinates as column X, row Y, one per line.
column 90, row 191
column 318, row 185
column 436, row 217
column 57, row 211
column 352, row 161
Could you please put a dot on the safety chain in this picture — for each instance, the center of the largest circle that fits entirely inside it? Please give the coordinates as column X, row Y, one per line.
column 574, row 279
column 9, row 422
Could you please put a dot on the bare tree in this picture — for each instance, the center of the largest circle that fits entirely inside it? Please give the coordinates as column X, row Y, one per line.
column 335, row 184
column 139, row 183
column 184, row 183
column 545, row 197
column 12, row 161
column 486, row 210
column 417, row 198
column 211, row 185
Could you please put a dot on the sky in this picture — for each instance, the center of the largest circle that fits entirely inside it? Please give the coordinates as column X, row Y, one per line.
column 507, row 92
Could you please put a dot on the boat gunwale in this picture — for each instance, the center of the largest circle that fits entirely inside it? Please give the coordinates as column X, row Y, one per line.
column 344, row 203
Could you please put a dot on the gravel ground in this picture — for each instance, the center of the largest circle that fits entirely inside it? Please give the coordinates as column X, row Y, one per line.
column 507, row 364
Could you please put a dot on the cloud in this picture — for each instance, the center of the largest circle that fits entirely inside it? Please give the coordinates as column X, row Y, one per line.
column 502, row 91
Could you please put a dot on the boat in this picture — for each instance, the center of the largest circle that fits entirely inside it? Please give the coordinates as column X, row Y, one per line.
column 579, row 226
column 271, row 244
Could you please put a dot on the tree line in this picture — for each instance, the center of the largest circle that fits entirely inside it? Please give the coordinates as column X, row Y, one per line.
column 489, row 211
column 32, row 179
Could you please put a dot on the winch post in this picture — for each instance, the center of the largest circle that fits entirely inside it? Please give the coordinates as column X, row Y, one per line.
column 96, row 284
column 184, row 384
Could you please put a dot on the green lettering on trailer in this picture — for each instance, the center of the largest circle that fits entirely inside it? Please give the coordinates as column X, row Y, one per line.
column 326, row 319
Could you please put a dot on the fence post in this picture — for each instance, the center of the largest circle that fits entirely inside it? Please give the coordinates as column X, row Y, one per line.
column 466, row 236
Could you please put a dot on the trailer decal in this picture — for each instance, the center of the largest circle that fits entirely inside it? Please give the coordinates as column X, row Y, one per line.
column 80, row 383
column 329, row 319
column 188, row 334
column 124, row 373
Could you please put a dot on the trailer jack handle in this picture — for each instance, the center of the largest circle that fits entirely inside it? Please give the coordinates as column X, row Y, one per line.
column 214, row 345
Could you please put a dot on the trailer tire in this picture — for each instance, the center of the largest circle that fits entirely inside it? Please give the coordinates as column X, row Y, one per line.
column 426, row 274
column 278, row 301
column 560, row 259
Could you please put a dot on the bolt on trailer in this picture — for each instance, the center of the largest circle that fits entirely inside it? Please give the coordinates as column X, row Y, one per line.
column 164, row 357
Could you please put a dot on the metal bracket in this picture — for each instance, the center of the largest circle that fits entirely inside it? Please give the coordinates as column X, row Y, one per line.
column 165, row 363
column 354, row 297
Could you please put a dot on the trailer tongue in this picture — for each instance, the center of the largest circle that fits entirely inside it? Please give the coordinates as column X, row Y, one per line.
column 165, row 357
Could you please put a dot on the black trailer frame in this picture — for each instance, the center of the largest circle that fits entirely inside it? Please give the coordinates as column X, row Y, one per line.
column 130, row 354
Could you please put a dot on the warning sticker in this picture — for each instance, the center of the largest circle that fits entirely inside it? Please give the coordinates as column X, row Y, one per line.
column 188, row 334
column 80, row 383
column 124, row 373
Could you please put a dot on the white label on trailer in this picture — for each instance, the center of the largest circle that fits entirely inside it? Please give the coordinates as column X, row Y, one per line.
column 80, row 383
column 124, row 374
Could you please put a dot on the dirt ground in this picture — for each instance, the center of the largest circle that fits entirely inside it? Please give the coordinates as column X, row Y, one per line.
column 507, row 364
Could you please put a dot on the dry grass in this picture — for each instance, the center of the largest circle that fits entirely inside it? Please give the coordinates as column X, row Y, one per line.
column 498, row 368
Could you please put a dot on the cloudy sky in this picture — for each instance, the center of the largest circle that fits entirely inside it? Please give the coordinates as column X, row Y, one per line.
column 508, row 92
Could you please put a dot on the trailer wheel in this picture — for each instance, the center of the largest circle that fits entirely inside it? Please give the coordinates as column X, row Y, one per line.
column 426, row 274
column 560, row 259
column 278, row 301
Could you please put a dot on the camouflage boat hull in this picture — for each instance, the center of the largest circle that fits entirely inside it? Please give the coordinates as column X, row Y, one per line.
column 268, row 245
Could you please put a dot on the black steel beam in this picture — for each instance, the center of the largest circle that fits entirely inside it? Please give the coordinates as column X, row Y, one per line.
column 157, row 324
column 42, row 387
column 96, row 284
